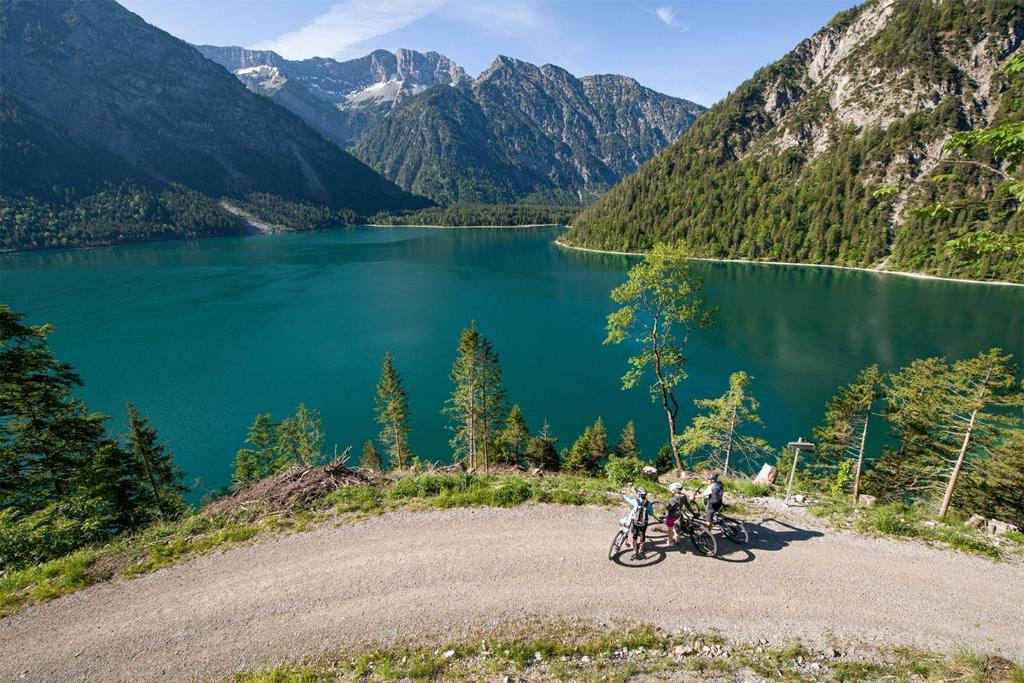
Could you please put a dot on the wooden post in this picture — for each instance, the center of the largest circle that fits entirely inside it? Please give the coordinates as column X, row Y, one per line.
column 797, row 446
column 792, row 473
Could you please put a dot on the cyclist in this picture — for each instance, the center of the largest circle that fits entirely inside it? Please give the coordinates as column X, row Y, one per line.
column 714, row 493
column 641, row 513
column 674, row 510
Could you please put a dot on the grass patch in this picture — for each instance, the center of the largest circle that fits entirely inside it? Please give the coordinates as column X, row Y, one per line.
column 561, row 651
column 45, row 581
column 917, row 522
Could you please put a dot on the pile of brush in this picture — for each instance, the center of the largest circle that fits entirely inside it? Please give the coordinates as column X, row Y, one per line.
column 293, row 488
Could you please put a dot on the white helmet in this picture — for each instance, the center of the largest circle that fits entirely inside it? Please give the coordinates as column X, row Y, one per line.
column 675, row 487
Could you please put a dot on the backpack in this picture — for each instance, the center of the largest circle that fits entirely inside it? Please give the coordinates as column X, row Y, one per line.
column 640, row 516
column 717, row 490
column 675, row 506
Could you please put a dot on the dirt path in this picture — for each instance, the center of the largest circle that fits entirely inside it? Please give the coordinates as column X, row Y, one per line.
column 441, row 574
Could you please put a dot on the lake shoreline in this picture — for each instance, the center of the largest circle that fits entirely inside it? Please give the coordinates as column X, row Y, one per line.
column 460, row 227
column 905, row 273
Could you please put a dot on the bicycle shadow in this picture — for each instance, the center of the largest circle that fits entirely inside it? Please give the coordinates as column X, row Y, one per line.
column 652, row 555
column 761, row 538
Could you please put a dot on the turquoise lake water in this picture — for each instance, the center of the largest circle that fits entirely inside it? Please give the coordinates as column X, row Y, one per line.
column 204, row 335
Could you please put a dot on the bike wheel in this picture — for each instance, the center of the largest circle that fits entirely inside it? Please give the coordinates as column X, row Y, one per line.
column 616, row 545
column 735, row 530
column 703, row 540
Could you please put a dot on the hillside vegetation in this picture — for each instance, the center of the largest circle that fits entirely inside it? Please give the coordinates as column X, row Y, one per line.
column 818, row 157
column 115, row 131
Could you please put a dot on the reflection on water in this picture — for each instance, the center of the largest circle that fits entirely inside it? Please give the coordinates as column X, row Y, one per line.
column 203, row 335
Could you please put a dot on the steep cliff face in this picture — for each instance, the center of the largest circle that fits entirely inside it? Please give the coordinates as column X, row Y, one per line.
column 537, row 134
column 108, row 79
column 787, row 166
column 340, row 99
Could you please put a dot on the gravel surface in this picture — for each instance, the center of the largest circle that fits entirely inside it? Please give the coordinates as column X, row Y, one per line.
column 444, row 574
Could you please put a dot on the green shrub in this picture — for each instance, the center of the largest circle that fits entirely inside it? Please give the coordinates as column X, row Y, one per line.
column 747, row 488
column 894, row 519
column 512, row 493
column 403, row 488
column 53, row 531
column 622, row 471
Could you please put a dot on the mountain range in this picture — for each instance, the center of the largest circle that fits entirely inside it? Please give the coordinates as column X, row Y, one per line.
column 113, row 119
column 517, row 133
column 818, row 157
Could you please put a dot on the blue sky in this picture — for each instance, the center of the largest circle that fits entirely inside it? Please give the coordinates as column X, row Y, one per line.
column 693, row 49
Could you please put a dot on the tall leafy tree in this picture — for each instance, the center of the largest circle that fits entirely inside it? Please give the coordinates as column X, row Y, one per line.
column 477, row 403
column 392, row 408
column 628, row 447
column 843, row 434
column 160, row 476
column 660, row 306
column 515, row 436
column 719, row 430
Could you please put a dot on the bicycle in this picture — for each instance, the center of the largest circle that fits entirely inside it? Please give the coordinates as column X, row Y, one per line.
column 702, row 539
column 691, row 523
column 733, row 529
column 620, row 537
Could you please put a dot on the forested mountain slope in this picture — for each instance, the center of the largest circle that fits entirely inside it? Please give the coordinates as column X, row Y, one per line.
column 521, row 132
column 114, row 130
column 789, row 166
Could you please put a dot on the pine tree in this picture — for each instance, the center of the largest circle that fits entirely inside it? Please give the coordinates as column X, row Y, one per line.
column 370, row 459
column 493, row 400
column 945, row 417
column 843, row 435
column 160, row 476
column 994, row 487
column 392, row 408
column 477, row 403
column 46, row 435
column 541, row 451
column 628, row 446
column 262, row 458
column 718, row 431
column 660, row 306
column 589, row 451
column 515, row 436
column 665, row 462
column 300, row 438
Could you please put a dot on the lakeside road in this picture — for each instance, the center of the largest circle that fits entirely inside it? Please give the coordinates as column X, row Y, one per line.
column 443, row 574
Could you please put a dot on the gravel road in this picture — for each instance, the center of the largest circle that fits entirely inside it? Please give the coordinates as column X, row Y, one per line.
column 443, row 574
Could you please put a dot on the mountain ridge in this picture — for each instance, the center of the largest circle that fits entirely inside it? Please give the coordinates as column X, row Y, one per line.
column 787, row 167
column 98, row 77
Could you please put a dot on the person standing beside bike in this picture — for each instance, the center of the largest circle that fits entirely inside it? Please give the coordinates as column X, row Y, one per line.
column 639, row 517
column 715, row 494
column 674, row 510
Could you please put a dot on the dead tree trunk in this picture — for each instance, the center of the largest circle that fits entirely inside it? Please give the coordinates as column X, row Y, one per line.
column 728, row 443
column 860, row 456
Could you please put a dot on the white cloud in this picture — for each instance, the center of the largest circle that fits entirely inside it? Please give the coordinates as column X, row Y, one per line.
column 511, row 18
column 668, row 15
column 347, row 24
